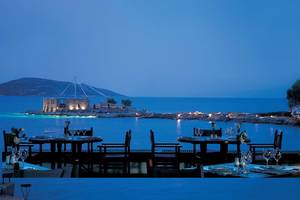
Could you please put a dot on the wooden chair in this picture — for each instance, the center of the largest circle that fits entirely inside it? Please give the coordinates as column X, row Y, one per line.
column 197, row 132
column 277, row 144
column 164, row 158
column 8, row 139
column 116, row 155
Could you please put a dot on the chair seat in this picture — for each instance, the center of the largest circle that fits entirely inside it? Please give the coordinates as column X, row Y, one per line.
column 115, row 156
column 191, row 172
column 164, row 172
column 166, row 156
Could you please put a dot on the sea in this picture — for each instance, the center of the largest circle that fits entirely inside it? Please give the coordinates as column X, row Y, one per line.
column 12, row 114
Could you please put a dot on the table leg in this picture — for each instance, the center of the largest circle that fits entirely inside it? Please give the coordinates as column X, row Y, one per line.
column 59, row 154
column 52, row 149
column 92, row 156
column 203, row 149
column 238, row 149
column 224, row 150
column 40, row 154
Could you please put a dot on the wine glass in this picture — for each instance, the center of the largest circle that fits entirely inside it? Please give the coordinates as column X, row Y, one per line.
column 23, row 156
column 267, row 153
column 243, row 162
column 17, row 155
column 277, row 155
column 249, row 157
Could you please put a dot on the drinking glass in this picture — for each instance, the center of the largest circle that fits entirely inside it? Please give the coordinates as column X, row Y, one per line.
column 277, row 155
column 243, row 162
column 17, row 155
column 249, row 157
column 23, row 156
column 267, row 153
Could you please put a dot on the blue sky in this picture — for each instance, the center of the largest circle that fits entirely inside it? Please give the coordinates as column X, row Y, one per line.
column 192, row 48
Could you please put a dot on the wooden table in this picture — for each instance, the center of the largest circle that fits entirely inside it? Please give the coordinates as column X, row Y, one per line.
column 75, row 141
column 252, row 170
column 204, row 141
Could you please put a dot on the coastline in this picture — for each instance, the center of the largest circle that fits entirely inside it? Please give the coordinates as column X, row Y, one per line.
column 278, row 118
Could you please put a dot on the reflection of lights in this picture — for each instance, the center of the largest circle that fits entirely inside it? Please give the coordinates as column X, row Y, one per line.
column 178, row 126
column 198, row 113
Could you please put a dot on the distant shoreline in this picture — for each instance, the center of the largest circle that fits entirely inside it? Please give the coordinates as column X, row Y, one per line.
column 278, row 118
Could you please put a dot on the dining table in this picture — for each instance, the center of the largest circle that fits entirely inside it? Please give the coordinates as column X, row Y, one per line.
column 204, row 141
column 251, row 170
column 57, row 142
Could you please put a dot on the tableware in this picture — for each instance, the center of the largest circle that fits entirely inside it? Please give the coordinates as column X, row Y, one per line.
column 267, row 154
column 23, row 156
column 277, row 155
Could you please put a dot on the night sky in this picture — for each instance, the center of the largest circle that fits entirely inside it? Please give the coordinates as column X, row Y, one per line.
column 178, row 48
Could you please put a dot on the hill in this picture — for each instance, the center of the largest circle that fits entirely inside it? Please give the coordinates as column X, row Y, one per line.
column 46, row 87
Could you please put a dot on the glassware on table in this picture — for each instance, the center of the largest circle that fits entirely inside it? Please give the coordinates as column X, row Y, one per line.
column 17, row 155
column 237, row 164
column 23, row 156
column 267, row 154
column 243, row 163
column 249, row 157
column 277, row 155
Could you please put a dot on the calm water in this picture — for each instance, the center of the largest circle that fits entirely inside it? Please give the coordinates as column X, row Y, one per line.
column 167, row 130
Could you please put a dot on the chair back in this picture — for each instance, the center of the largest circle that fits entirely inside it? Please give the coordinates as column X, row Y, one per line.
column 128, row 139
column 152, row 140
column 278, row 139
column 8, row 140
column 207, row 132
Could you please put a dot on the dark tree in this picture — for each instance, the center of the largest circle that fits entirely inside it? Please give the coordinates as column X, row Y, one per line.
column 293, row 94
column 111, row 101
column 126, row 102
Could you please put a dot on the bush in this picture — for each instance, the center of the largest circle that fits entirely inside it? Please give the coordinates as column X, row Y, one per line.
column 126, row 102
column 111, row 101
column 293, row 94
